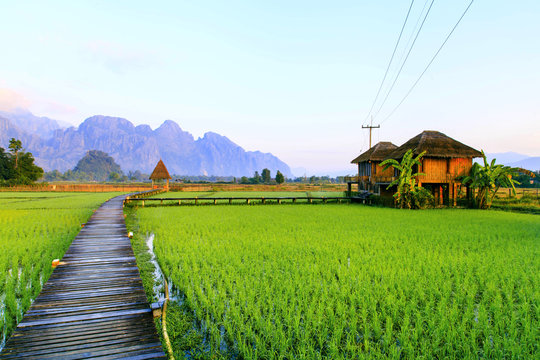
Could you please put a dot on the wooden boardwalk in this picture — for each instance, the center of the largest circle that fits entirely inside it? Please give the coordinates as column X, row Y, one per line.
column 237, row 200
column 93, row 305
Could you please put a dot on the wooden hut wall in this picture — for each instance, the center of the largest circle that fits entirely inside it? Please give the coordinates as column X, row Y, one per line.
column 441, row 169
column 435, row 169
column 386, row 173
column 460, row 166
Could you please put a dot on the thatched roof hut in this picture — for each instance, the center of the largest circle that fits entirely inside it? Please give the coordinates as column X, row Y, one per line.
column 436, row 145
column 379, row 152
column 160, row 172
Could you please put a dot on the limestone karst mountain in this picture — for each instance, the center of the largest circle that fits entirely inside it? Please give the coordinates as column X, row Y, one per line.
column 140, row 147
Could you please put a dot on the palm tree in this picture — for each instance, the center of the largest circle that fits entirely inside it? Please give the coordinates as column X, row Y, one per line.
column 487, row 179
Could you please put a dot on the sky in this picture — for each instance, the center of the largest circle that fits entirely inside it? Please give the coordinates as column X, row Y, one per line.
column 294, row 78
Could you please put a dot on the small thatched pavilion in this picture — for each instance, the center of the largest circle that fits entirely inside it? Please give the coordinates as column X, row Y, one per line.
column 444, row 162
column 160, row 173
column 368, row 169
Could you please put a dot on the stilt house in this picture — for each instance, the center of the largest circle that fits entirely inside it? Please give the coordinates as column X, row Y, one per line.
column 160, row 173
column 444, row 162
column 370, row 174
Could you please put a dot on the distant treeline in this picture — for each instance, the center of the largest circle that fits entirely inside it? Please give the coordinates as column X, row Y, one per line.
column 527, row 181
column 17, row 166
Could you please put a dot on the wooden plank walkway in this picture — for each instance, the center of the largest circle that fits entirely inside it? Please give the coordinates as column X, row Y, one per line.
column 243, row 199
column 93, row 305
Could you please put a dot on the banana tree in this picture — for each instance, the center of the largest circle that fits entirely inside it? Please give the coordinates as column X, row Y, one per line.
column 408, row 194
column 487, row 179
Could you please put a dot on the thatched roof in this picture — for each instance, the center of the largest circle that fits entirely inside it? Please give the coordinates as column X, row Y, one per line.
column 160, row 172
column 379, row 152
column 436, row 144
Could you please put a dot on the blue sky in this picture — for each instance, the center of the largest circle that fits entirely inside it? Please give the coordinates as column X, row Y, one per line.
column 295, row 78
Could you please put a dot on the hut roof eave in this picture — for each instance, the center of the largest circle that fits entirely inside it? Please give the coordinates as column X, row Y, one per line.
column 378, row 152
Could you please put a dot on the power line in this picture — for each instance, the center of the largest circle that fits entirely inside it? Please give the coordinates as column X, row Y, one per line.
column 391, row 59
column 429, row 64
column 404, row 61
column 414, row 31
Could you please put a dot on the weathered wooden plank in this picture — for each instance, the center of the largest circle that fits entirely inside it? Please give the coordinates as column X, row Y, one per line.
column 94, row 304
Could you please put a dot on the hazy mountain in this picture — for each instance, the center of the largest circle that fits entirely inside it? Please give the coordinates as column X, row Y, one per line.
column 31, row 124
column 140, row 148
column 513, row 159
column 505, row 158
column 530, row 163
column 9, row 130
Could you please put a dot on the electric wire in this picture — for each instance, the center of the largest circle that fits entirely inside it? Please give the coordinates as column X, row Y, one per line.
column 405, row 60
column 404, row 52
column 391, row 59
column 429, row 64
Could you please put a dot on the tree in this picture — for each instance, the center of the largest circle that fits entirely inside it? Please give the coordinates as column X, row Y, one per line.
column 280, row 179
column 244, row 180
column 487, row 179
column 27, row 172
column 114, row 176
column 14, row 147
column 266, row 177
column 98, row 165
column 256, row 178
column 17, row 167
column 408, row 195
column 6, row 167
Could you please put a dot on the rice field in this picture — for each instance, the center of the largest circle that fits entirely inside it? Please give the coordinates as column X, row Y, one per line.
column 35, row 228
column 348, row 281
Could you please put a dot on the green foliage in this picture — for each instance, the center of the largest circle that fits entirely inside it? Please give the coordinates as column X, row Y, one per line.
column 408, row 194
column 291, row 282
column 528, row 180
column 6, row 166
column 266, row 176
column 14, row 147
column 487, row 180
column 280, row 179
column 35, row 228
column 256, row 178
column 98, row 165
column 17, row 167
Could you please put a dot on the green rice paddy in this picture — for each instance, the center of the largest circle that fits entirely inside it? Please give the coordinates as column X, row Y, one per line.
column 35, row 228
column 348, row 281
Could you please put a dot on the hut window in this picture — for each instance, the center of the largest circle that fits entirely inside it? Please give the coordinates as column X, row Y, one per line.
column 448, row 166
column 396, row 172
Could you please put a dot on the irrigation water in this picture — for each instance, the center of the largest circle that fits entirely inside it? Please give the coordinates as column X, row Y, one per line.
column 177, row 296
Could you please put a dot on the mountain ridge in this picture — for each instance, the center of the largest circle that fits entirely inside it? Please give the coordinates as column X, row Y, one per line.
column 140, row 148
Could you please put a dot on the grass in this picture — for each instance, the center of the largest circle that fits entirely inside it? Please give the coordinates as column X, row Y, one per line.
column 527, row 203
column 348, row 281
column 35, row 228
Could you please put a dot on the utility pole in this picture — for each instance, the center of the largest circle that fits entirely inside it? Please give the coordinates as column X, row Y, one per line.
column 370, row 127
